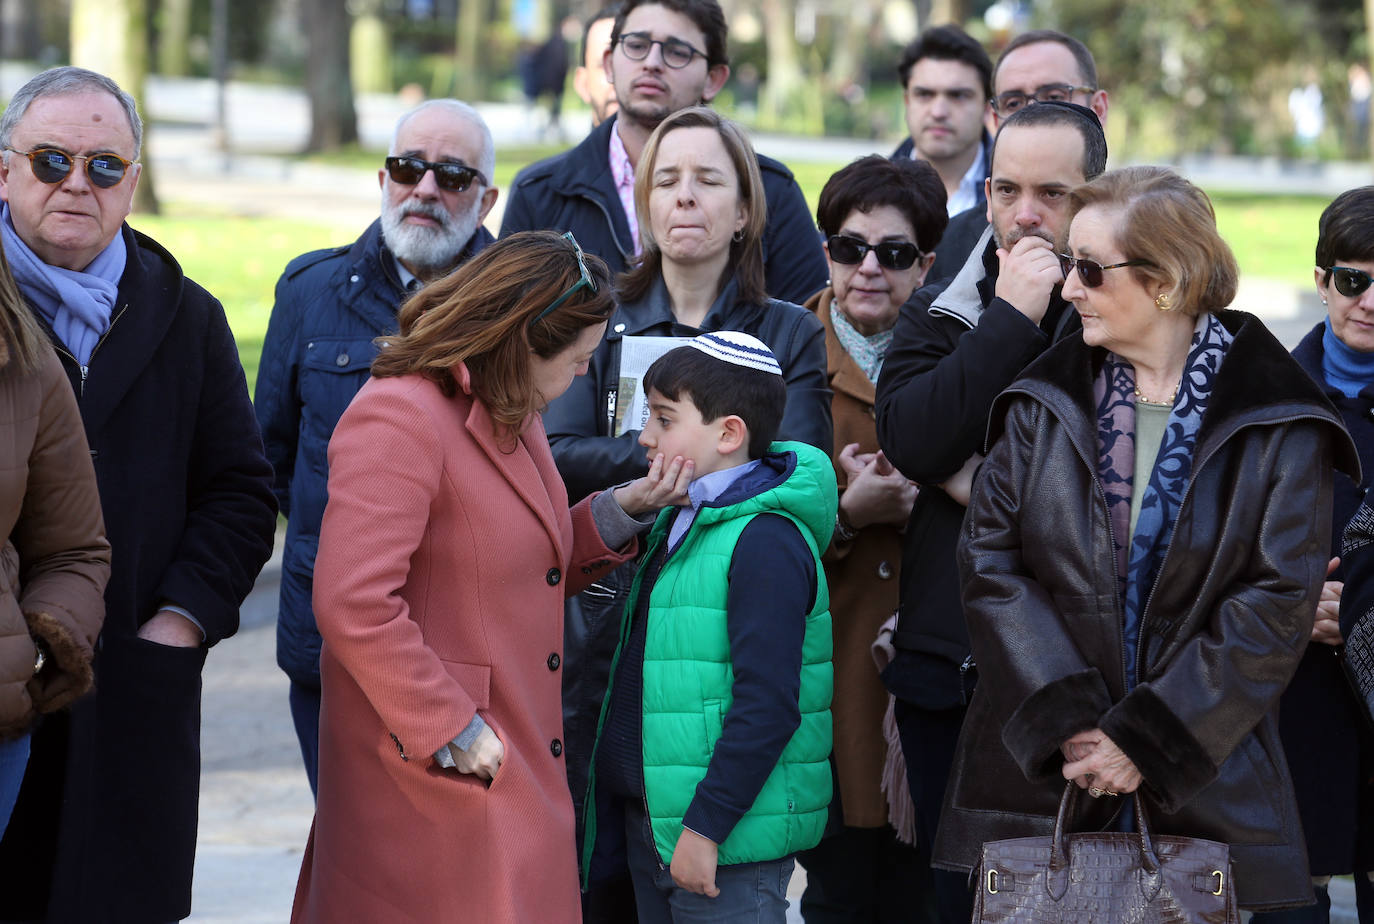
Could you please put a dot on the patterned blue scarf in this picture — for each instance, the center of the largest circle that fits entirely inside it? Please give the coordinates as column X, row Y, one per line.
column 1114, row 391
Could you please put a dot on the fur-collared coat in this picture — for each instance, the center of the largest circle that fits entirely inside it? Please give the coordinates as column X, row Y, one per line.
column 1223, row 631
column 55, row 560
column 445, row 556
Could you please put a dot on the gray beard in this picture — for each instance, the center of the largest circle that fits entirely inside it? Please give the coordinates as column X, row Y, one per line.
column 428, row 250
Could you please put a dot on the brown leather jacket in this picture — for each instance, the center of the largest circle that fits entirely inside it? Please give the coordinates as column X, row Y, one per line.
column 55, row 560
column 1226, row 624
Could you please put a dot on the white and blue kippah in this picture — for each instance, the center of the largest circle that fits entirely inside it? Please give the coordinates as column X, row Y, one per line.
column 738, row 349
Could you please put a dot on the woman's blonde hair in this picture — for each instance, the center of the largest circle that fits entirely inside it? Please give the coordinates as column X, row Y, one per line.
column 1169, row 222
column 746, row 254
column 22, row 340
column 487, row 315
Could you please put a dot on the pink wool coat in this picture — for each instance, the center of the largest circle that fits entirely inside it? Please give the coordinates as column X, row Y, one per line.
column 444, row 559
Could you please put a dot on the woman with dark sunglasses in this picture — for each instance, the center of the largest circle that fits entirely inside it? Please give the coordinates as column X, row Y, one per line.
column 446, row 550
column 1144, row 553
column 1330, row 748
column 881, row 220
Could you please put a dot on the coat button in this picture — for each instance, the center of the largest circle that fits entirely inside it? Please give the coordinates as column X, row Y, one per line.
column 556, row 747
column 554, row 661
column 341, row 359
column 884, row 570
column 553, row 576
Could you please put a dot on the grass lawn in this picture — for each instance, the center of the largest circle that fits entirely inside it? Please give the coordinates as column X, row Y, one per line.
column 239, row 259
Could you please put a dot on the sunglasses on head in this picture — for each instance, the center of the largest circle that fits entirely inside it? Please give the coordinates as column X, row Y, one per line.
column 585, row 280
column 1090, row 271
column 895, row 255
column 1349, row 281
column 52, row 166
column 411, row 170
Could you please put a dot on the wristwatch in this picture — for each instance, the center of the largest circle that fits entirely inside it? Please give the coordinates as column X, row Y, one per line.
column 843, row 531
column 40, row 655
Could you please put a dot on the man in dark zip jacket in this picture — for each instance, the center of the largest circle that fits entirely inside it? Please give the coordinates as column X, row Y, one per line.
column 589, row 190
column 956, row 345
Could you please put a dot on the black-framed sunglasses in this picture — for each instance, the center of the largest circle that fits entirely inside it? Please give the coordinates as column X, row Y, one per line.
column 411, row 170
column 1012, row 100
column 894, row 255
column 585, row 280
column 53, row 166
column 1090, row 271
column 676, row 53
column 1350, row 282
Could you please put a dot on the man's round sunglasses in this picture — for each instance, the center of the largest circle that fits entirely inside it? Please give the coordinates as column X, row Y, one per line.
column 411, row 170
column 1090, row 271
column 1349, row 281
column 676, row 53
column 894, row 255
column 53, row 166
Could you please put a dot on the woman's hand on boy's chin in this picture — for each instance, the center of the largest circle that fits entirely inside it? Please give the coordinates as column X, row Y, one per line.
column 694, row 864
column 664, row 486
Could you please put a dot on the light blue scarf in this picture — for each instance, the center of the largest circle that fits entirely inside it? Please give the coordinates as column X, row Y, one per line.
column 77, row 304
column 1346, row 370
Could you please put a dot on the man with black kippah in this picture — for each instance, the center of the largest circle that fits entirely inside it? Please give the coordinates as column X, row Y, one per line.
column 956, row 345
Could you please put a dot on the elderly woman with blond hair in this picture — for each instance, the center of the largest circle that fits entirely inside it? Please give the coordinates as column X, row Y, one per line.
column 1144, row 552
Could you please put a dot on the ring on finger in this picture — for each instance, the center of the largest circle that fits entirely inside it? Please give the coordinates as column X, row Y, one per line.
column 1096, row 793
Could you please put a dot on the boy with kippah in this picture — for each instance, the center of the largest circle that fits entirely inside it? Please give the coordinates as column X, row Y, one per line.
column 712, row 759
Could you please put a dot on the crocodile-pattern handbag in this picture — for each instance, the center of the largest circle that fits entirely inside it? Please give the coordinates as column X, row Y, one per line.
column 1105, row 876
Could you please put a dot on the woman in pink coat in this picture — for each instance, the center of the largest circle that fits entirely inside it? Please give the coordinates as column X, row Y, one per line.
column 446, row 551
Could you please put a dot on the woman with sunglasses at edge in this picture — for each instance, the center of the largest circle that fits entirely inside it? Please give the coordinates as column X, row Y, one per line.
column 1329, row 746
column 55, row 559
column 881, row 220
column 1143, row 554
column 446, row 550
column 700, row 202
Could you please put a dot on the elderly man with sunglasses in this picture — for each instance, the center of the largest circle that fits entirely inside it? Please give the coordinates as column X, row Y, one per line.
column 956, row 344
column 105, row 827
column 1036, row 67
column 665, row 55
column 330, row 306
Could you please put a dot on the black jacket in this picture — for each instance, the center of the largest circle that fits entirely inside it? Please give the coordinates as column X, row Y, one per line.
column 957, row 243
column 954, row 348
column 574, row 191
column 1220, row 635
column 1320, row 721
column 187, row 497
column 318, row 351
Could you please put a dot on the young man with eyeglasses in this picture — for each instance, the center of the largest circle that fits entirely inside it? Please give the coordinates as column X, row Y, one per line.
column 330, row 306
column 105, row 826
column 1035, row 67
column 946, row 84
column 958, row 342
column 665, row 55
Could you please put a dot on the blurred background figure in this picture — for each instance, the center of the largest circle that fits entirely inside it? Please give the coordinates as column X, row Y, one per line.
column 589, row 79
column 1305, row 107
column 881, row 220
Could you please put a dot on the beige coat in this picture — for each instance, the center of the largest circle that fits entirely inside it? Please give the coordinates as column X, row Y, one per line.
column 55, row 561
column 863, row 592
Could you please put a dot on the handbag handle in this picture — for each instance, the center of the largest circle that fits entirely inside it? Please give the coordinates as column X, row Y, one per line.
column 1059, row 854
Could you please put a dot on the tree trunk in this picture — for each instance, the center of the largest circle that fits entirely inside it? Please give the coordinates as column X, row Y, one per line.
column 333, row 120
column 371, row 64
column 850, row 44
column 784, row 69
column 470, row 78
column 108, row 36
column 18, row 30
column 173, row 39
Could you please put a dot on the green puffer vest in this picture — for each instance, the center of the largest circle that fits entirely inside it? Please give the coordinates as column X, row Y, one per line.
column 688, row 678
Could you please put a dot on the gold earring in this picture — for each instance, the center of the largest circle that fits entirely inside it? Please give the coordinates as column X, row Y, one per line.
column 1163, row 301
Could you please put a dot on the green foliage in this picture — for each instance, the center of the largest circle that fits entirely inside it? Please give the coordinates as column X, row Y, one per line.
column 238, row 260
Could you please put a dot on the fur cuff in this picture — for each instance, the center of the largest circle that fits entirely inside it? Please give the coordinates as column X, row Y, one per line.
column 1050, row 716
column 1173, row 763
column 68, row 673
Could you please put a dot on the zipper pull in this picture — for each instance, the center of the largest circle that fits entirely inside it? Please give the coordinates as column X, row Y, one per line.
column 85, row 370
column 610, row 411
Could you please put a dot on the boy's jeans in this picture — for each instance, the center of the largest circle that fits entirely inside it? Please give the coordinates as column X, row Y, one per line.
column 750, row 893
